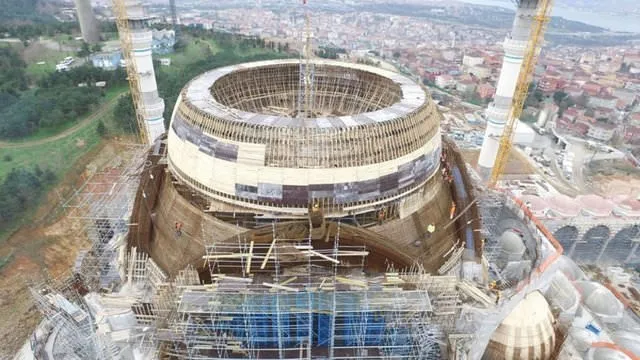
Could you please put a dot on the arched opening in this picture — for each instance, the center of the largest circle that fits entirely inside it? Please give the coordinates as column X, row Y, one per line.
column 588, row 250
column 566, row 236
column 620, row 246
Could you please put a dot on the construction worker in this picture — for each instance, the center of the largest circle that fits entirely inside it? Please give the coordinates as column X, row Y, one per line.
column 178, row 229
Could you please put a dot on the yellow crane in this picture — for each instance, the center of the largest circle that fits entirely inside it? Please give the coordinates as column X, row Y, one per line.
column 538, row 27
column 120, row 11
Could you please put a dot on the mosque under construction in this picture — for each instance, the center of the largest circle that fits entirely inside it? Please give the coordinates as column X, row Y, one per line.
column 314, row 210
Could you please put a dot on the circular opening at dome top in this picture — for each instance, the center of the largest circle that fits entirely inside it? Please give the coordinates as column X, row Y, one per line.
column 280, row 90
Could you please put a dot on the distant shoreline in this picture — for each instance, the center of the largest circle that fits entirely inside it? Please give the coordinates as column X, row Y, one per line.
column 610, row 21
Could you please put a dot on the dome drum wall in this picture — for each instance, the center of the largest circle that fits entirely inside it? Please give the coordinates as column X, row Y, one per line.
column 374, row 139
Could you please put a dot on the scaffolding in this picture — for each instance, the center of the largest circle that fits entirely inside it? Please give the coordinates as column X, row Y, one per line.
column 294, row 299
column 102, row 207
column 69, row 323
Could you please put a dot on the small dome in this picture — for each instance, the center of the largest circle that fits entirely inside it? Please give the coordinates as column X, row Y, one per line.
column 582, row 338
column 602, row 302
column 606, row 354
column 628, row 341
column 511, row 242
column 529, row 327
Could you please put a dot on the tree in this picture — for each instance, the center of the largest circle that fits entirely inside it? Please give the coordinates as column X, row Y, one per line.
column 49, row 176
column 101, row 129
column 20, row 190
column 12, row 71
column 37, row 170
column 564, row 104
column 624, row 67
column 535, row 96
column 582, row 100
column 85, row 50
column 558, row 96
column 96, row 48
column 125, row 115
column 396, row 54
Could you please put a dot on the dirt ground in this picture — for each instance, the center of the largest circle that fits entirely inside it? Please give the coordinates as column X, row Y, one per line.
column 608, row 186
column 49, row 246
column 614, row 179
column 517, row 164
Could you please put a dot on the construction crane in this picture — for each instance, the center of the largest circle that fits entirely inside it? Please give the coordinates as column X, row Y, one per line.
column 538, row 27
column 120, row 11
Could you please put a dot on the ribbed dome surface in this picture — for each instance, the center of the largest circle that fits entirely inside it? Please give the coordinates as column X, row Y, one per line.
column 527, row 333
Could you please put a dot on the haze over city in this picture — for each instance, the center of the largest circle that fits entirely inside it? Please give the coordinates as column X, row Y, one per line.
column 303, row 179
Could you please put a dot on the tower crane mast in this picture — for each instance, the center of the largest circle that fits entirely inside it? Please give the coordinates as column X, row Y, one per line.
column 120, row 12
column 538, row 27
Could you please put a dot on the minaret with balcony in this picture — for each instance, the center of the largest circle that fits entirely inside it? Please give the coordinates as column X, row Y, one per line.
column 141, row 43
column 498, row 111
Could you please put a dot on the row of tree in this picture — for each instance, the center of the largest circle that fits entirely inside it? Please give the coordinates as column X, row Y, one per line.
column 330, row 52
column 57, row 100
column 229, row 40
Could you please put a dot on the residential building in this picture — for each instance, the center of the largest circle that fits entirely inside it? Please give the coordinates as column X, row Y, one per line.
column 480, row 71
column 163, row 41
column 486, row 91
column 108, row 60
column 601, row 131
column 604, row 101
column 466, row 86
column 471, row 60
column 445, row 81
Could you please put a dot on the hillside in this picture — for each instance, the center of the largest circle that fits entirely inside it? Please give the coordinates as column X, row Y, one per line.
column 25, row 11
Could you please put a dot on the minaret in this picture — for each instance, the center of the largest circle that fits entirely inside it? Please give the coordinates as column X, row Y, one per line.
column 88, row 22
column 141, row 40
column 515, row 46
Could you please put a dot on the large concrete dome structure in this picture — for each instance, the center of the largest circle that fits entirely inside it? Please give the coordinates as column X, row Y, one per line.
column 268, row 186
column 239, row 136
column 253, row 154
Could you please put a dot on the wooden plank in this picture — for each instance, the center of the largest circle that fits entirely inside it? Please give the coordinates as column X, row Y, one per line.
column 352, row 253
column 313, row 252
column 250, row 257
column 351, row 281
column 281, row 287
column 266, row 258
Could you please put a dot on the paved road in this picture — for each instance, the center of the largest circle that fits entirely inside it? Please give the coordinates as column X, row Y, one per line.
column 558, row 181
column 101, row 111
column 581, row 154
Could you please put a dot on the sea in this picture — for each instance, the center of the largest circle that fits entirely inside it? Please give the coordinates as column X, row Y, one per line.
column 613, row 22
